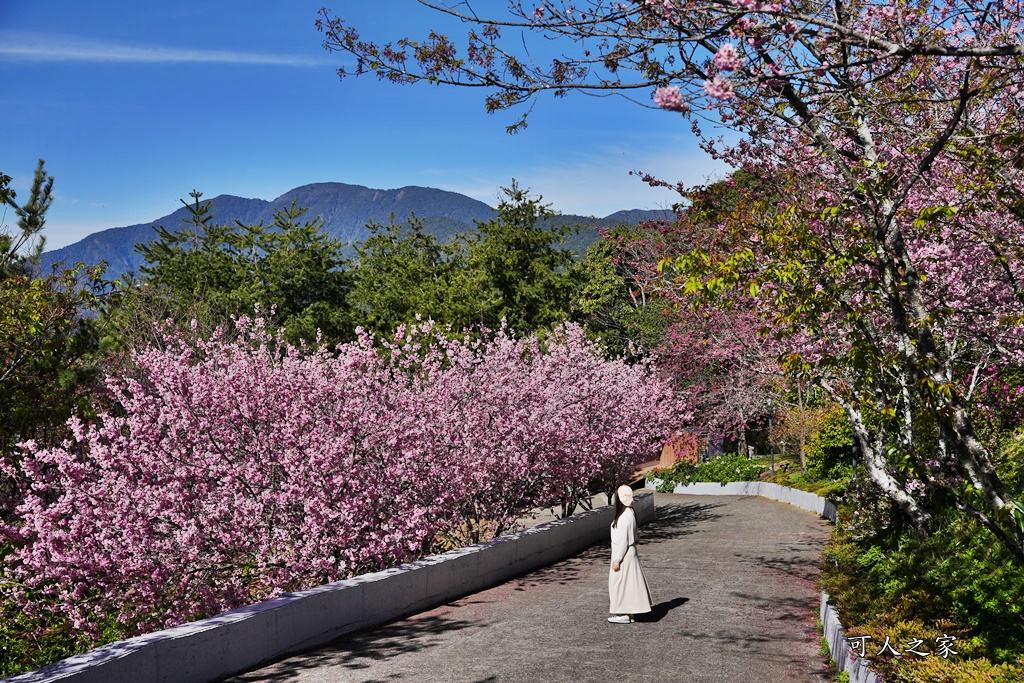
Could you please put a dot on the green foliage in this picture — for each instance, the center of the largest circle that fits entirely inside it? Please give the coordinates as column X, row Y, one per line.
column 46, row 353
column 955, row 669
column 511, row 269
column 49, row 353
column 47, row 348
column 730, row 467
column 831, row 489
column 14, row 259
column 403, row 272
column 29, row 641
column 212, row 271
column 19, row 652
column 723, row 469
column 7, row 195
column 829, row 448
column 682, row 472
column 611, row 302
column 889, row 581
column 525, row 275
column 823, row 648
column 1009, row 460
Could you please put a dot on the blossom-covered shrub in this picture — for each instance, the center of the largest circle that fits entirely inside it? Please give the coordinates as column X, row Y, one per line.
column 234, row 468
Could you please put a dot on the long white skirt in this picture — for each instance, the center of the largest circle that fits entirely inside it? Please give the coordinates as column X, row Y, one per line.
column 627, row 587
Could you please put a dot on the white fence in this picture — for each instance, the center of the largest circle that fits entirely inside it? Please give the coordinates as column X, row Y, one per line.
column 835, row 634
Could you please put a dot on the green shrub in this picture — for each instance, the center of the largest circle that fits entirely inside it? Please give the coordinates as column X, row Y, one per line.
column 887, row 581
column 955, row 669
column 729, row 467
column 31, row 641
column 723, row 469
column 1009, row 460
column 680, row 473
column 828, row 451
column 832, row 489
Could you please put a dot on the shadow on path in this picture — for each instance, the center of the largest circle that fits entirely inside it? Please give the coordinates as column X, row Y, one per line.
column 676, row 520
column 780, row 608
column 562, row 573
column 361, row 650
column 661, row 610
column 791, row 565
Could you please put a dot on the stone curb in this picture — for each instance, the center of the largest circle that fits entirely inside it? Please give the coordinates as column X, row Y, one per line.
column 835, row 634
column 833, row 630
column 238, row 640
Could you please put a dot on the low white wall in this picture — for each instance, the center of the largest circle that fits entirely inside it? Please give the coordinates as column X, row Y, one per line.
column 802, row 499
column 857, row 667
column 204, row 650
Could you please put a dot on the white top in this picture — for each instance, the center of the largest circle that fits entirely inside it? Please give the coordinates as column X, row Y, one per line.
column 623, row 535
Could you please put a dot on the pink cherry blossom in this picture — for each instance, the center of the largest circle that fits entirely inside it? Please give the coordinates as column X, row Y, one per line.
column 670, row 98
column 728, row 58
column 719, row 88
column 234, row 468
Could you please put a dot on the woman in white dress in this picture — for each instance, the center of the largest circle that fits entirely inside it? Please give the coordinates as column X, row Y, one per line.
column 627, row 585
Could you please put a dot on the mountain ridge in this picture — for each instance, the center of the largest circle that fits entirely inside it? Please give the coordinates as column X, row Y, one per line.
column 345, row 209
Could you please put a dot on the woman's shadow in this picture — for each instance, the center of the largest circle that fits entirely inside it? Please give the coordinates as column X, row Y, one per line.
column 659, row 611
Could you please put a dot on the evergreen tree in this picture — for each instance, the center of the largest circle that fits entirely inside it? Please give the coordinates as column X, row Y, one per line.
column 21, row 250
column 210, row 271
column 611, row 297
column 529, row 282
column 47, row 344
column 403, row 271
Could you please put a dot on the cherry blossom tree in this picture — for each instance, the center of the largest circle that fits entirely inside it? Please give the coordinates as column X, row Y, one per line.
column 889, row 136
column 832, row 313
column 717, row 356
column 717, row 360
column 679, row 53
column 230, row 469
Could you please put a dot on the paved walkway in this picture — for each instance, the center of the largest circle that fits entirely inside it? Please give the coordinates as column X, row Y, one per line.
column 733, row 579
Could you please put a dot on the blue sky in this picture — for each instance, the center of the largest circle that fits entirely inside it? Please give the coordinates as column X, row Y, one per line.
column 134, row 104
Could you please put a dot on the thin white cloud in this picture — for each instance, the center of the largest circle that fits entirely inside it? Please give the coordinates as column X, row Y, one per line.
column 598, row 183
column 58, row 49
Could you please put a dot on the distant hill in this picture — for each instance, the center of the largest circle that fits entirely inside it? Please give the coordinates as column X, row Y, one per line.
column 346, row 209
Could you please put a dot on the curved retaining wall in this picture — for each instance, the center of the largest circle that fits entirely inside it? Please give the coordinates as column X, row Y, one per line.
column 204, row 650
column 833, row 630
column 802, row 499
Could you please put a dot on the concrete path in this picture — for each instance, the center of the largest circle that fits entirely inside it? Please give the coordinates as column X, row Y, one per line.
column 733, row 579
